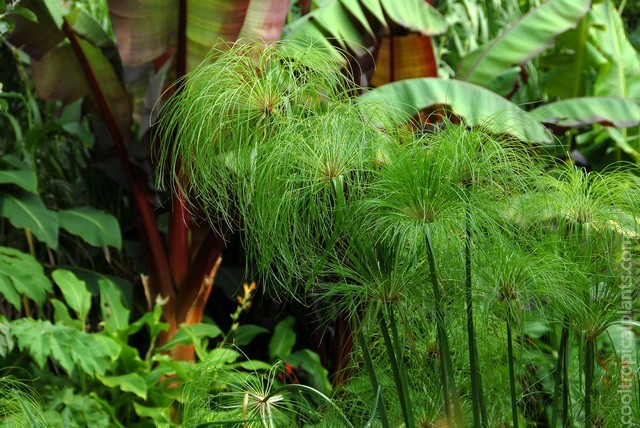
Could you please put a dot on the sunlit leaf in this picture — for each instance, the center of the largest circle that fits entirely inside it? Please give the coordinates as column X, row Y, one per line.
column 25, row 179
column 74, row 291
column 575, row 112
column 476, row 105
column 130, row 382
column 264, row 20
column 523, row 40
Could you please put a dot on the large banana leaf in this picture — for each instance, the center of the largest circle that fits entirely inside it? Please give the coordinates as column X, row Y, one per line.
column 476, row 105
column 608, row 111
column 404, row 57
column 145, row 29
column 210, row 22
column 35, row 38
column 622, row 57
column 523, row 40
column 265, row 19
column 341, row 21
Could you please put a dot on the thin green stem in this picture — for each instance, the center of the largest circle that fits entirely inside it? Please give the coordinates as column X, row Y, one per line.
column 566, row 421
column 479, row 408
column 368, row 362
column 564, row 337
column 588, row 379
column 398, row 353
column 448, row 381
column 512, row 374
column 395, row 369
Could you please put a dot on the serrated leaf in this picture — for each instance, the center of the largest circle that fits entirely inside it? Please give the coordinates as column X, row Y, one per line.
column 246, row 333
column 26, row 210
column 24, row 179
column 6, row 340
column 9, row 292
column 131, row 382
column 94, row 226
column 74, row 291
column 25, row 275
column 67, row 346
column 283, row 339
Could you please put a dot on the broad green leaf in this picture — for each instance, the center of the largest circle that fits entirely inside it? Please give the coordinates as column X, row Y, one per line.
column 67, row 346
column 115, row 314
column 13, row 161
column 246, row 333
column 161, row 416
column 9, row 292
column 222, row 356
column 25, row 13
column 74, row 291
column 54, row 8
column 24, row 179
column 264, row 20
column 94, row 226
column 523, row 40
column 283, row 339
column 86, row 27
column 309, row 362
column 24, row 275
column 145, row 29
column 415, row 15
column 6, row 340
column 570, row 64
column 253, row 365
column 61, row 314
column 612, row 41
column 476, row 105
column 26, row 210
column 130, row 382
column 94, row 279
column 575, row 112
column 341, row 21
column 192, row 333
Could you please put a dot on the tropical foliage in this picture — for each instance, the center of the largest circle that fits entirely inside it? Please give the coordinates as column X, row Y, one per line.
column 437, row 202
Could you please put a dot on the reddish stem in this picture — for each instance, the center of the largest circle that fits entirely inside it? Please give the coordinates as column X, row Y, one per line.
column 150, row 236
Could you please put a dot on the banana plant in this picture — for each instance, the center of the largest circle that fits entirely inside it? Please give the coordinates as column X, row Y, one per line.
column 121, row 81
